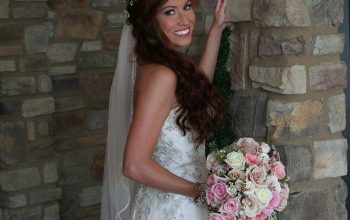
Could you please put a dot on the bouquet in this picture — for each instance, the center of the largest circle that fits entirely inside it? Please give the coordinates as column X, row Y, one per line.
column 247, row 181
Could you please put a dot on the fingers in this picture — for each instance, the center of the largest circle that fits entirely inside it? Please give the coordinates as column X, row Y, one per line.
column 220, row 6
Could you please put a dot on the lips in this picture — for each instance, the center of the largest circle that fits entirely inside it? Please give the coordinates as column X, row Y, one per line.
column 182, row 33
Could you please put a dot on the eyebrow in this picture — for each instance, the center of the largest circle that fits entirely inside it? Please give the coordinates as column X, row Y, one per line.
column 171, row 6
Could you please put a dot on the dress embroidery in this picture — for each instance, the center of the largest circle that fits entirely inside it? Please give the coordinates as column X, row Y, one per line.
column 178, row 154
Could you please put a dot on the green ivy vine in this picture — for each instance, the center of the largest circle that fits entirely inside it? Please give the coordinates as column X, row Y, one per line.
column 223, row 135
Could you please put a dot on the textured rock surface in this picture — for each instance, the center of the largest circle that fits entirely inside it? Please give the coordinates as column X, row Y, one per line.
column 272, row 46
column 328, row 44
column 337, row 113
column 300, row 119
column 238, row 60
column 281, row 13
column 248, row 114
column 330, row 158
column 17, row 85
column 4, row 9
column 36, row 39
column 19, row 179
column 281, row 80
column 327, row 12
column 79, row 24
column 40, row 106
column 328, row 76
column 298, row 160
column 239, row 10
column 62, row 52
column 13, row 141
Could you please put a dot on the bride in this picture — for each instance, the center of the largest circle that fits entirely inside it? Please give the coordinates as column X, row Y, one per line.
column 162, row 108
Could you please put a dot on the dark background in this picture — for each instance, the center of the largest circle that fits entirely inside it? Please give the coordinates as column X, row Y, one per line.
column 346, row 57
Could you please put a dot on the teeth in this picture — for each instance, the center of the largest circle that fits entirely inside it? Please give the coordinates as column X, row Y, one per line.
column 182, row 32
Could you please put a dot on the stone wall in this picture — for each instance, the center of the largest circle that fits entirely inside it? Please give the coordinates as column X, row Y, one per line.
column 57, row 60
column 288, row 80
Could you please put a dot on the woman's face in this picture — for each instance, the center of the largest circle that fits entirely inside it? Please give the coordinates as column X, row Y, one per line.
column 176, row 19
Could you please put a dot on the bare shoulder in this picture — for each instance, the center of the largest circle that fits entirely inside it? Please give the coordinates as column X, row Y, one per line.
column 155, row 83
column 155, row 73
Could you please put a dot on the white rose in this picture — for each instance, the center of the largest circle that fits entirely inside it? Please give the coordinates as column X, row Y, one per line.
column 235, row 160
column 264, row 196
column 272, row 183
column 251, row 205
column 264, row 158
column 265, row 148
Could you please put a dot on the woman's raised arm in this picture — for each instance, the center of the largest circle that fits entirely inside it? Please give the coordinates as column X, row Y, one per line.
column 208, row 59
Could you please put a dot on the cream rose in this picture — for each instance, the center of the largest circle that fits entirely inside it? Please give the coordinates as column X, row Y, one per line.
column 235, row 160
column 264, row 196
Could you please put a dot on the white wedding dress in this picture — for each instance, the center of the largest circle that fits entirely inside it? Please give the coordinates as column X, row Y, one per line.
column 178, row 154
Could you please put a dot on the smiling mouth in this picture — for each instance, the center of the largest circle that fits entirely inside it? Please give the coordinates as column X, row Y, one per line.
column 184, row 32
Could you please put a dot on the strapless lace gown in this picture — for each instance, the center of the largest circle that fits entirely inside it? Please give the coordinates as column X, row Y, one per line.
column 177, row 154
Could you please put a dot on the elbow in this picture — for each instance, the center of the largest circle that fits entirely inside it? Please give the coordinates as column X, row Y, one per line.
column 130, row 171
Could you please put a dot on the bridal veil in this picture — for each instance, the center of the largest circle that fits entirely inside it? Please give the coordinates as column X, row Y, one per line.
column 117, row 190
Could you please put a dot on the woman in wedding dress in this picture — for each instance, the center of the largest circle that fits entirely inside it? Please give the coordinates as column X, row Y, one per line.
column 174, row 109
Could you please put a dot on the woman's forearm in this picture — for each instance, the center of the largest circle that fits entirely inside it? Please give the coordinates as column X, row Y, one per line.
column 208, row 59
column 152, row 174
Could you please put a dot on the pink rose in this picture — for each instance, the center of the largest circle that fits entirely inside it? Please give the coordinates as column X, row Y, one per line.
column 256, row 174
column 216, row 216
column 251, row 159
column 284, row 198
column 278, row 170
column 264, row 214
column 219, row 191
column 249, row 145
column 218, row 179
column 275, row 201
column 229, row 217
column 230, row 207
column 210, row 198
column 211, row 180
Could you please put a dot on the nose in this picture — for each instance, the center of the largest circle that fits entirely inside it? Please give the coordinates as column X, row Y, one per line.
column 183, row 20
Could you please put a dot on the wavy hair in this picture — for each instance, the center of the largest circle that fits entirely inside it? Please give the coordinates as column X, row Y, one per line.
column 201, row 108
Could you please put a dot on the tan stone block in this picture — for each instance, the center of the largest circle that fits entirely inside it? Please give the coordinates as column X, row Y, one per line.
column 77, row 24
column 11, row 50
column 295, row 119
column 328, row 75
column 289, row 80
column 336, row 113
column 39, row 106
column 238, row 60
column 111, row 39
column 330, row 158
column 239, row 10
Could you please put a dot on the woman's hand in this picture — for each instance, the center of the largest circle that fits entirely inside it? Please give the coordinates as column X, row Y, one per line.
column 219, row 15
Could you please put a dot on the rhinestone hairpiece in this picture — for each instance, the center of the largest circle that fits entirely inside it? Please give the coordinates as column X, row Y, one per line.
column 131, row 3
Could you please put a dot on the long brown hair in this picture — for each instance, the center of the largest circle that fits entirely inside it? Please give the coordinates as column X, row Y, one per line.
column 200, row 106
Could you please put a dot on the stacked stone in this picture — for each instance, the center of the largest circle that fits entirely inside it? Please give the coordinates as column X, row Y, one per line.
column 28, row 168
column 288, row 80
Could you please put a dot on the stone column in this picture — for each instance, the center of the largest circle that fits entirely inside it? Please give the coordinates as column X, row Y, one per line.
column 288, row 80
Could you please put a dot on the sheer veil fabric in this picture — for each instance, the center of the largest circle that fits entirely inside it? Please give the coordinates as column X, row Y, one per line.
column 117, row 190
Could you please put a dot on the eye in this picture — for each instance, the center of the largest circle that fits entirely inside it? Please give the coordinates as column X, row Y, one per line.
column 188, row 6
column 169, row 12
